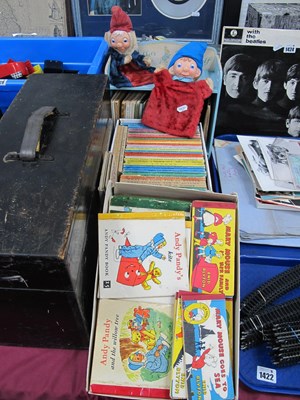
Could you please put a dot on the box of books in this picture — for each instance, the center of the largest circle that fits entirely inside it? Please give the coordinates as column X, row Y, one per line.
column 143, row 155
column 136, row 321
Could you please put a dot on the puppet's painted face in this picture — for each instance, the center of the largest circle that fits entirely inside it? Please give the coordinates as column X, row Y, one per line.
column 120, row 41
column 186, row 67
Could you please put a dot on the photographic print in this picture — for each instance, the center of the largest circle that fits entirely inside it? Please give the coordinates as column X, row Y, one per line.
column 269, row 162
column 277, row 14
column 260, row 93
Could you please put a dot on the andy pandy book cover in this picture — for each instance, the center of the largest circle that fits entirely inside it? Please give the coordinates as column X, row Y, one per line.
column 142, row 254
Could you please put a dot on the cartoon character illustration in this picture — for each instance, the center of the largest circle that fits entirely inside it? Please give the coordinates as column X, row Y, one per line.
column 197, row 362
column 155, row 360
column 206, row 238
column 140, row 320
column 207, row 218
column 152, row 275
column 146, row 336
column 141, row 312
column 196, row 315
column 143, row 251
column 203, row 246
column 131, row 270
column 210, row 252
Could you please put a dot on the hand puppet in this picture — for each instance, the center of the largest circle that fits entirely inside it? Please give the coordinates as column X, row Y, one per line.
column 127, row 66
column 177, row 99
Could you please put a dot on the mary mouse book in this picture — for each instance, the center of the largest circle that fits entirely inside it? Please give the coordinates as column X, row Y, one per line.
column 132, row 349
column 142, row 254
column 213, row 244
column 206, row 347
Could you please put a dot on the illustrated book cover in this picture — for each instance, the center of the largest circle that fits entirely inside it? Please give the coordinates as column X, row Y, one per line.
column 142, row 254
column 206, row 347
column 178, row 385
column 132, row 349
column 212, row 255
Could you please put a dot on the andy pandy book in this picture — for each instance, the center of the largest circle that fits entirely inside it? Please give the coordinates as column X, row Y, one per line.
column 142, row 254
column 132, row 349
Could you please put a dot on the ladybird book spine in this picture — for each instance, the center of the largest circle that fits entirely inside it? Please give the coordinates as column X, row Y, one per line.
column 213, row 244
column 206, row 348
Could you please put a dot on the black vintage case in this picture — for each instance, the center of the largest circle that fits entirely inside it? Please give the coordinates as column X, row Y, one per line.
column 48, row 209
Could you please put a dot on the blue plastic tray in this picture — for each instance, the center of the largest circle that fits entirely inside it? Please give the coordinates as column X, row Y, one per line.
column 87, row 55
column 257, row 266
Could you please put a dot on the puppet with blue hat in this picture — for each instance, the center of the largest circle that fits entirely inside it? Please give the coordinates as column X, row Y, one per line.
column 177, row 100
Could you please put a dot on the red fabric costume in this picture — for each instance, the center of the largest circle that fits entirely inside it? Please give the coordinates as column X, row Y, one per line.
column 175, row 107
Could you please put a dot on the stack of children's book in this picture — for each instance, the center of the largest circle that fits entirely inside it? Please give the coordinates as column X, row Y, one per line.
column 146, row 156
column 128, row 104
column 164, row 304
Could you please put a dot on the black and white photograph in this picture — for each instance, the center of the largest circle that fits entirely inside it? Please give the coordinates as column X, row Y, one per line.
column 265, row 14
column 261, row 83
column 268, row 159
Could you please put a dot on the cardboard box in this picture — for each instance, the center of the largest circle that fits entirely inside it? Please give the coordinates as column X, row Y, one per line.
column 109, row 173
column 181, row 194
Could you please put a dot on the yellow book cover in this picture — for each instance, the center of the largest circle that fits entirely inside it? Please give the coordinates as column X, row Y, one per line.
column 213, row 243
column 178, row 386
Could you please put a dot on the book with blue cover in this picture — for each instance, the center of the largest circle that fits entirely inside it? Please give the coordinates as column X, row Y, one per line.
column 206, row 347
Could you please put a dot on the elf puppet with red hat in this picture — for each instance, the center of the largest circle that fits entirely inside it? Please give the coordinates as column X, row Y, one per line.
column 177, row 100
column 127, row 66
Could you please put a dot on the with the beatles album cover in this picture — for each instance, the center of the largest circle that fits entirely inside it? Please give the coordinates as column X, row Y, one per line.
column 261, row 82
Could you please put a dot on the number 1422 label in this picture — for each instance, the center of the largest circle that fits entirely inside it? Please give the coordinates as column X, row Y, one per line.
column 266, row 374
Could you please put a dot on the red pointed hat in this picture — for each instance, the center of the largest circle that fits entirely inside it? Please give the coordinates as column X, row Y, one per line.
column 120, row 21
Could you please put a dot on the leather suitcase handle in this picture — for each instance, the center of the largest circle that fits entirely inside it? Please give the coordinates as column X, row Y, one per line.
column 33, row 132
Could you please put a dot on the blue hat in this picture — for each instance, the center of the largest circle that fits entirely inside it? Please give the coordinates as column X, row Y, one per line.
column 158, row 239
column 194, row 50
